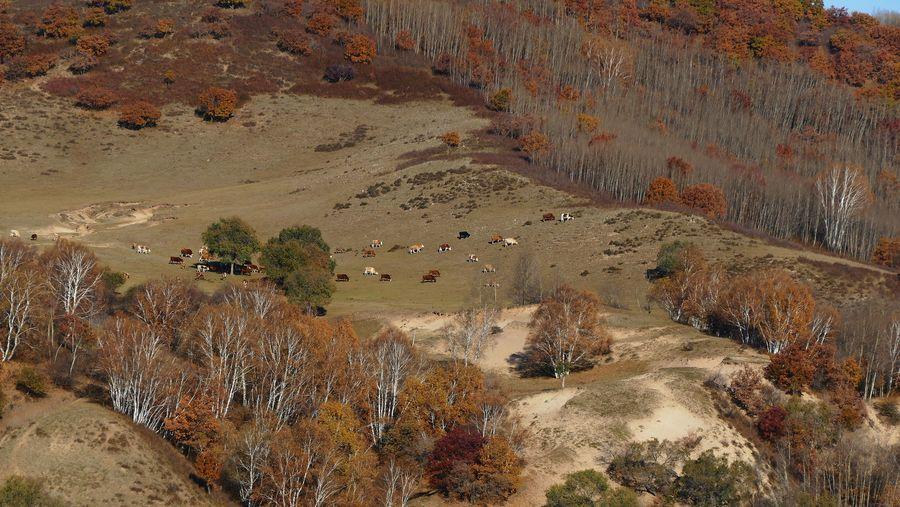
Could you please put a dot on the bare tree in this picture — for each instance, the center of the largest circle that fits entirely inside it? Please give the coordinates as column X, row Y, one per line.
column 392, row 358
column 527, row 285
column 399, row 482
column 74, row 279
column 470, row 334
column 252, row 450
column 843, row 192
column 19, row 299
column 166, row 305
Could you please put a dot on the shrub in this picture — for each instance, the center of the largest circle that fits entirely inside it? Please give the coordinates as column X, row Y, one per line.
column 649, row 466
column 706, row 198
column 95, row 17
column 93, row 45
column 711, row 480
column 500, row 100
column 169, row 76
column 59, row 22
column 468, row 466
column 27, row 66
column 293, row 8
column 294, row 42
column 405, row 41
column 792, row 369
column 887, row 252
column 138, row 115
column 745, row 389
column 535, row 145
column 321, row 23
column 83, row 63
column 232, row 4
column 678, row 165
column 582, row 488
column 671, row 257
column 661, row 191
column 24, row 492
column 443, row 64
column 771, row 422
column 588, row 123
column 217, row 104
column 160, row 29
column 12, row 42
column 113, row 280
column 32, row 382
column 887, row 409
column 360, row 49
column 95, row 97
column 451, row 139
column 348, row 9
column 111, row 6
column 339, row 72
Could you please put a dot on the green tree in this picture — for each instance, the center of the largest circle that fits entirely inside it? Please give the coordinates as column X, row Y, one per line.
column 669, row 258
column 298, row 260
column 232, row 239
column 711, row 481
column 25, row 492
column 589, row 488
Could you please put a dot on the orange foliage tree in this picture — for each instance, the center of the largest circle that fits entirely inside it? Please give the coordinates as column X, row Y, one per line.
column 451, row 139
column 887, row 252
column 661, row 191
column 535, row 144
column 138, row 115
column 193, row 424
column 587, row 123
column 293, row 8
column 791, row 369
column 294, row 42
column 360, row 49
column 94, row 45
column 217, row 104
column 500, row 100
column 706, row 198
column 95, row 97
column 567, row 333
column 321, row 23
column 12, row 42
column 26, row 66
column 405, row 41
column 59, row 22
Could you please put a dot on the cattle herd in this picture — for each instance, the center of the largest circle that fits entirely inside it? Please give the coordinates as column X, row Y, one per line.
column 432, row 275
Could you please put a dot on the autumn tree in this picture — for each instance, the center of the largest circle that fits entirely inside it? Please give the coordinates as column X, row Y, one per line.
column 12, row 42
column 193, row 425
column 59, row 21
column 93, row 45
column 690, row 289
column 887, row 252
column 705, row 198
column 21, row 291
column 360, row 49
column 451, row 139
column 404, row 41
column 786, row 312
column 294, row 42
column 567, row 332
column 391, row 359
column 791, row 369
column 467, row 466
column 138, row 115
column 535, row 145
column 447, row 396
column 661, row 191
column 298, row 260
column 321, row 23
column 745, row 388
column 232, row 240
column 216, row 104
column 111, row 6
column 95, row 97
column 166, row 306
column 500, row 100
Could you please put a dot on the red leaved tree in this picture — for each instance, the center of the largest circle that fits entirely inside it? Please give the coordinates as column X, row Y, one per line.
column 217, row 104
column 360, row 49
column 706, row 198
column 138, row 115
column 661, row 191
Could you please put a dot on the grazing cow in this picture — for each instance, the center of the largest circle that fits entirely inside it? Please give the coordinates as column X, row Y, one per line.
column 416, row 248
column 463, row 235
column 142, row 249
column 548, row 217
column 369, row 271
column 343, row 277
column 565, row 217
column 472, row 258
column 429, row 279
column 376, row 243
column 492, row 285
column 445, row 247
column 510, row 242
column 488, row 268
column 495, row 238
column 253, row 268
column 176, row 260
column 434, row 272
column 202, row 268
column 13, row 233
column 187, row 252
column 34, row 237
column 55, row 236
column 199, row 276
column 385, row 278
column 368, row 252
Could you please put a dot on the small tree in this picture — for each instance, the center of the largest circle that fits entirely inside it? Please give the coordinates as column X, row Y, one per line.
column 588, row 124
column 138, row 115
column 360, row 49
column 706, row 198
column 232, row 239
column 294, row 42
column 567, row 332
column 791, row 369
column 451, row 139
column 12, row 42
column 95, row 97
column 93, row 45
column 405, row 41
column 59, row 22
column 887, row 252
column 471, row 333
column 711, row 480
column 217, row 104
column 501, row 100
column 339, row 72
column 321, row 23
column 662, row 191
column 535, row 145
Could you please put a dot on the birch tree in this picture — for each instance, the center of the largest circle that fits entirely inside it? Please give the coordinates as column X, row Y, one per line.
column 399, row 482
column 392, row 358
column 471, row 333
column 843, row 193
column 20, row 293
column 567, row 332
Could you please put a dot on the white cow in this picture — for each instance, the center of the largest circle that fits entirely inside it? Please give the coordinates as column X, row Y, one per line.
column 565, row 217
column 369, row 271
column 13, row 233
column 376, row 243
column 472, row 258
column 510, row 242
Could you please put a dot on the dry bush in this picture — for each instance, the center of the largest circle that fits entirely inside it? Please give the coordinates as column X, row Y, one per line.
column 138, row 115
column 746, row 386
column 321, row 23
column 217, row 104
column 293, row 8
column 404, row 41
column 339, row 72
column 93, row 45
column 158, row 29
column 232, row 4
column 443, row 64
column 535, row 145
column 95, row 17
column 12, row 42
column 349, row 10
column 662, row 191
column 111, row 6
column 294, row 42
column 95, row 97
column 27, row 66
column 59, row 22
column 451, row 139
column 501, row 100
column 587, row 123
column 83, row 63
column 169, row 77
column 887, row 252
column 360, row 49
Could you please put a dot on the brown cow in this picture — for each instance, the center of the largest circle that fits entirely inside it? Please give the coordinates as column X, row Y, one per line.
column 548, row 217
column 176, row 260
column 342, row 277
column 33, row 237
column 429, row 279
column 187, row 252
column 434, row 272
column 496, row 238
column 385, row 278
column 445, row 247
column 368, row 253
